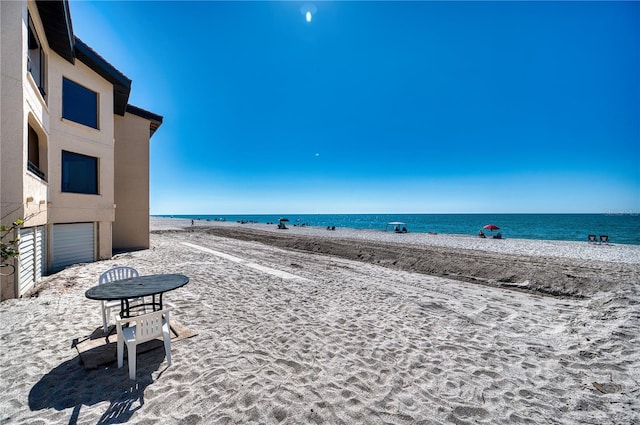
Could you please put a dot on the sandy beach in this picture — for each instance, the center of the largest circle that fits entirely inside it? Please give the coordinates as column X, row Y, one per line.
column 307, row 325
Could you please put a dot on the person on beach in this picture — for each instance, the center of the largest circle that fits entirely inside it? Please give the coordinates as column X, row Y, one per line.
column 481, row 234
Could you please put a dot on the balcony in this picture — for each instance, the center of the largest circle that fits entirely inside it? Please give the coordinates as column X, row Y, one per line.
column 36, row 60
column 33, row 168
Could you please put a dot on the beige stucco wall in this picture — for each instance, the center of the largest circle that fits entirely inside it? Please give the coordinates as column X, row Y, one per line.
column 73, row 137
column 12, row 114
column 35, row 114
column 12, row 40
column 22, row 194
column 11, row 17
column 131, row 227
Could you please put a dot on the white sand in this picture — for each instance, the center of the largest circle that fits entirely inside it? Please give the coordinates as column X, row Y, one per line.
column 293, row 337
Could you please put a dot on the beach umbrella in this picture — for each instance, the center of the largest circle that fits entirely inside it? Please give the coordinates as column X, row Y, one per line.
column 283, row 219
column 491, row 227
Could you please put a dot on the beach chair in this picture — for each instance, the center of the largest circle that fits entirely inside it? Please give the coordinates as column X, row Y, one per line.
column 592, row 239
column 141, row 329
column 604, row 239
column 112, row 275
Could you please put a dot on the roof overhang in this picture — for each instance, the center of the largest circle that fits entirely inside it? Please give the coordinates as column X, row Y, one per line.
column 155, row 120
column 56, row 20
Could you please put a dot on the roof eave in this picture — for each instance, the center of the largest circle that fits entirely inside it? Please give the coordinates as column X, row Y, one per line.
column 155, row 120
column 56, row 20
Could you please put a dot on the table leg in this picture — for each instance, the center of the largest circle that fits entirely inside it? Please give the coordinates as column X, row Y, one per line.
column 124, row 308
column 153, row 302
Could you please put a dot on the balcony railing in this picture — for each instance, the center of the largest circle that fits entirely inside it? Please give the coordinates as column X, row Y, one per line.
column 35, row 170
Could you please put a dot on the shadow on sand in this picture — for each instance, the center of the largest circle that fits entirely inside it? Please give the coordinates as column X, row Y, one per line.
column 70, row 385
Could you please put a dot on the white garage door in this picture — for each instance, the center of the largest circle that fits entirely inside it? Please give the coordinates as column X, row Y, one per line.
column 41, row 253
column 72, row 244
column 32, row 258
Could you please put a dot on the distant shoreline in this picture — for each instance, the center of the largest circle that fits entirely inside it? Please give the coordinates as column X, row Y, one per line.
column 547, row 267
column 620, row 229
column 539, row 247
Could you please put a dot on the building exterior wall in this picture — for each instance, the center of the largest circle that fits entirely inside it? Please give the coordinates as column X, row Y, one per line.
column 73, row 137
column 24, row 195
column 131, row 226
column 120, row 144
column 12, row 15
column 35, row 114
column 12, row 112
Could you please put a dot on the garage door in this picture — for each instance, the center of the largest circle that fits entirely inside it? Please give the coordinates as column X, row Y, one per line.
column 41, row 253
column 32, row 258
column 72, row 244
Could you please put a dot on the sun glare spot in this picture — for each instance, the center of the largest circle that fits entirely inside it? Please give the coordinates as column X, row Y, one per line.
column 308, row 10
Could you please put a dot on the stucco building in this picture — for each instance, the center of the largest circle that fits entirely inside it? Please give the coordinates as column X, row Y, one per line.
column 74, row 155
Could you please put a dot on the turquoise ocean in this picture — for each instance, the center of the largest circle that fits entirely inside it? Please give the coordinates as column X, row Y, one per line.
column 621, row 228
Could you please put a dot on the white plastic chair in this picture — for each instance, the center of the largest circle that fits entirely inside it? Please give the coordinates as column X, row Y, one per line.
column 111, row 275
column 141, row 329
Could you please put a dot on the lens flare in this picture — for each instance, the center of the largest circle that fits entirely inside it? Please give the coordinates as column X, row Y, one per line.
column 308, row 10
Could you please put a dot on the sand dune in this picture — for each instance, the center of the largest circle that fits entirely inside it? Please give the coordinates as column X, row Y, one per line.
column 289, row 336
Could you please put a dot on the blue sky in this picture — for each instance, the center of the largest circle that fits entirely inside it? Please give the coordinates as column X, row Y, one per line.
column 382, row 107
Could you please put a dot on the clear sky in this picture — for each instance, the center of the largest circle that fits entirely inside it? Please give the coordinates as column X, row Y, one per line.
column 382, row 107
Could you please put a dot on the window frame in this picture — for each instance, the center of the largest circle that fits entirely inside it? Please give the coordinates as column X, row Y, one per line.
column 66, row 180
column 70, row 98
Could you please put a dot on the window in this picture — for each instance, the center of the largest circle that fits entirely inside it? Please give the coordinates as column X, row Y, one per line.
column 33, row 160
column 36, row 59
column 79, row 104
column 79, row 173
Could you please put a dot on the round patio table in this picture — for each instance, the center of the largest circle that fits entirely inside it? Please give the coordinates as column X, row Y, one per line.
column 134, row 287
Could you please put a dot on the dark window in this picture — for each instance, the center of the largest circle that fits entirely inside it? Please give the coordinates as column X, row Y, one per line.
column 79, row 173
column 79, row 104
column 33, row 160
column 34, row 147
column 36, row 59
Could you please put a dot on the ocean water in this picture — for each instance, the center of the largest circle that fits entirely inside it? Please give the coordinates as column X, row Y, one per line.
column 621, row 228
